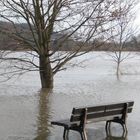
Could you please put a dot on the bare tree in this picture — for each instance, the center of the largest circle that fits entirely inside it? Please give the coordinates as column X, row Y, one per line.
column 122, row 33
column 79, row 20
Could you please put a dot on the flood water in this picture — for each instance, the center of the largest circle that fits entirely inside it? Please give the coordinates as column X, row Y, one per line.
column 26, row 110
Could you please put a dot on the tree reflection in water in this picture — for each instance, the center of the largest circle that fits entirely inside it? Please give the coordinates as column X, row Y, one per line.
column 43, row 115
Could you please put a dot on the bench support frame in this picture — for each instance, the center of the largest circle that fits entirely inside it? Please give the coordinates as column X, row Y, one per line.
column 121, row 121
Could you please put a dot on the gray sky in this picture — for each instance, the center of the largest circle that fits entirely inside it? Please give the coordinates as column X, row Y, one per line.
column 137, row 20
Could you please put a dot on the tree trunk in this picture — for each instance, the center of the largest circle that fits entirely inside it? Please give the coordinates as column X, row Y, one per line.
column 118, row 69
column 46, row 74
column 119, row 61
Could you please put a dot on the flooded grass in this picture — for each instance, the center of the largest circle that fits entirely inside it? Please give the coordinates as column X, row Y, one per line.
column 26, row 111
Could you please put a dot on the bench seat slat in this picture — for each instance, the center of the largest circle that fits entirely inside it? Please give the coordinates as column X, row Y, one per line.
column 65, row 123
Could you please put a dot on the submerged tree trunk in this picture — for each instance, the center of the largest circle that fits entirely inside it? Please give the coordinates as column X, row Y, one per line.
column 119, row 59
column 46, row 74
column 118, row 70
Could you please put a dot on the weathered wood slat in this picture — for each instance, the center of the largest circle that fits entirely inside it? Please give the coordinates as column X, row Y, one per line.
column 101, row 107
column 99, row 114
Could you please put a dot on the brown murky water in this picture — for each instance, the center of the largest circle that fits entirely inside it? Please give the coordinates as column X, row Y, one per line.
column 26, row 110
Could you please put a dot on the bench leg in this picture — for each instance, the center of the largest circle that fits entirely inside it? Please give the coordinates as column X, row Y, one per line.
column 65, row 134
column 83, row 135
column 107, row 127
column 125, row 132
column 124, row 128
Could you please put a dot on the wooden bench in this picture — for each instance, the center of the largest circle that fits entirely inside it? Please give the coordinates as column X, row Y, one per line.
column 116, row 112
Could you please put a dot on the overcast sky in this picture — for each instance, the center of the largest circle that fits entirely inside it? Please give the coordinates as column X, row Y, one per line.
column 137, row 20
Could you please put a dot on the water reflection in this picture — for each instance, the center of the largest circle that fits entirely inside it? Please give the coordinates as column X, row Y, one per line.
column 111, row 137
column 115, row 138
column 43, row 115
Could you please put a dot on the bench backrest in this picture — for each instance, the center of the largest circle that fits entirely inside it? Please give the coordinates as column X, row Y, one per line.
column 94, row 112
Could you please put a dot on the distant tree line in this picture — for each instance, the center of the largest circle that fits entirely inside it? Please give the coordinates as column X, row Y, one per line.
column 8, row 43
